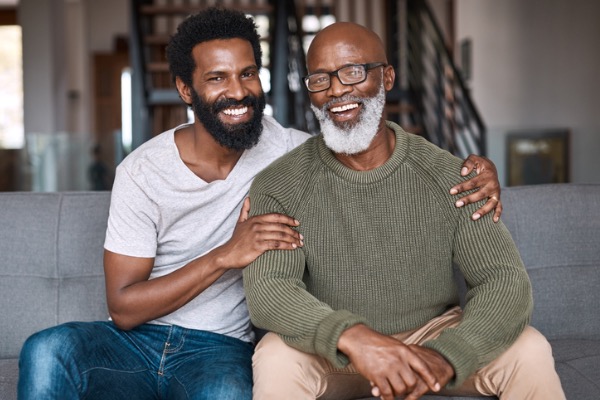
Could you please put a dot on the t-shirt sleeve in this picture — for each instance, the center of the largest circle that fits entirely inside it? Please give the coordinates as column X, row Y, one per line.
column 132, row 218
column 296, row 138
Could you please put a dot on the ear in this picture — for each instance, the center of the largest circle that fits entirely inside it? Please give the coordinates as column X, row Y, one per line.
column 389, row 77
column 184, row 90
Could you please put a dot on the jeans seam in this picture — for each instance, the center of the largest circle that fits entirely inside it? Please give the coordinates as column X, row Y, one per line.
column 170, row 350
column 161, row 366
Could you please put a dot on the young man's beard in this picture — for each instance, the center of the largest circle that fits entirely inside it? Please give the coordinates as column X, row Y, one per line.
column 352, row 138
column 241, row 136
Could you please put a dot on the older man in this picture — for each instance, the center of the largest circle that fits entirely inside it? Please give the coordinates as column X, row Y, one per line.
column 369, row 305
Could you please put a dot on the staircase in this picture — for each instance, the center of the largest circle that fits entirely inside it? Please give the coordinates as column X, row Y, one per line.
column 430, row 98
column 155, row 102
column 435, row 87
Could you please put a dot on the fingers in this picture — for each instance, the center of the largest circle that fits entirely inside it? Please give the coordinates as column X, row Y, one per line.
column 487, row 188
column 255, row 235
column 275, row 218
column 409, row 384
column 479, row 182
column 426, row 374
column 274, row 236
column 382, row 390
column 420, row 389
column 245, row 210
column 413, row 379
column 272, row 229
column 275, row 231
column 472, row 163
column 398, row 384
column 492, row 203
column 498, row 211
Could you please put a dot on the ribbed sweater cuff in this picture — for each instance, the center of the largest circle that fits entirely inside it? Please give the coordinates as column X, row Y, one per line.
column 459, row 353
column 329, row 332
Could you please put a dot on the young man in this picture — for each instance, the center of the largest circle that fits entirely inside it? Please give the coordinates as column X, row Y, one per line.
column 369, row 304
column 178, row 236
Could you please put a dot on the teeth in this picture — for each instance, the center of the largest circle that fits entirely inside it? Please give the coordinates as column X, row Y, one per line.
column 235, row 111
column 344, row 107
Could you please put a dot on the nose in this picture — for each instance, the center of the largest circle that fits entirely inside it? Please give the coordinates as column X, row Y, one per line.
column 337, row 88
column 236, row 89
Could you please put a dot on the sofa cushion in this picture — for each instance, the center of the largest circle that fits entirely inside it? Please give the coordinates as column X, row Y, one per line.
column 9, row 374
column 556, row 230
column 578, row 365
column 51, row 266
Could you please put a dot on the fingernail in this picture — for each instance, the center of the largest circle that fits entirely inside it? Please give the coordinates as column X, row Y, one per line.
column 453, row 191
column 496, row 219
column 301, row 243
column 301, row 237
column 294, row 245
column 464, row 170
column 297, row 222
column 476, row 216
column 436, row 387
column 460, row 203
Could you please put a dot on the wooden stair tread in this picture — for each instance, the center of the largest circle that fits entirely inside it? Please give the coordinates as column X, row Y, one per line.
column 400, row 108
column 157, row 39
column 157, row 66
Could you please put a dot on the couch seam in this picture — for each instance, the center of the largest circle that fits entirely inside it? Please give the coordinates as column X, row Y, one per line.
column 51, row 277
column 541, row 266
column 582, row 375
column 57, row 272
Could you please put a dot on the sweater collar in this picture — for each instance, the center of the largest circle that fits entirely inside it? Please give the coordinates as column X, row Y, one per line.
column 374, row 175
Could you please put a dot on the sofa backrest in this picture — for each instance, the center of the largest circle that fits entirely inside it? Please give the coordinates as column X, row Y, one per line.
column 557, row 230
column 51, row 247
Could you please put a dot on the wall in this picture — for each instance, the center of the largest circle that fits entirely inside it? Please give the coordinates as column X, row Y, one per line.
column 43, row 65
column 59, row 40
column 535, row 65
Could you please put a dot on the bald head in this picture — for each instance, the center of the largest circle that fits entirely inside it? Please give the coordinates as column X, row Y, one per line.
column 346, row 41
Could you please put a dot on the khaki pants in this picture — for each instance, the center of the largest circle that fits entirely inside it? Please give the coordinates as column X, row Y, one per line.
column 525, row 371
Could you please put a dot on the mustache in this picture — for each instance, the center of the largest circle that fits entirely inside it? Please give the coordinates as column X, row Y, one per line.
column 220, row 105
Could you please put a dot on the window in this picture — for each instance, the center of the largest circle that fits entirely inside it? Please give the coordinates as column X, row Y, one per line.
column 11, row 88
column 313, row 20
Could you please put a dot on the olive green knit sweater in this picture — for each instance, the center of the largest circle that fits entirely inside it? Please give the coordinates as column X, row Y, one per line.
column 378, row 249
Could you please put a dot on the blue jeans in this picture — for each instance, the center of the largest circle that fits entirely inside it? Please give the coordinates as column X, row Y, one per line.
column 97, row 360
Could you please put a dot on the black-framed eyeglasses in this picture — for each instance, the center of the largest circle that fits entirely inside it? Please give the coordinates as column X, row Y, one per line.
column 348, row 75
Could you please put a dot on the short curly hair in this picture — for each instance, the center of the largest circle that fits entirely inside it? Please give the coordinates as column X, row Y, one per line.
column 213, row 23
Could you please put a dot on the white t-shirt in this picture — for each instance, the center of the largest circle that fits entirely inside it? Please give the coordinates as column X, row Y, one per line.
column 160, row 208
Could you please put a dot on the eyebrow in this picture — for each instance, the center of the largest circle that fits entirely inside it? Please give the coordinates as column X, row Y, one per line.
column 219, row 72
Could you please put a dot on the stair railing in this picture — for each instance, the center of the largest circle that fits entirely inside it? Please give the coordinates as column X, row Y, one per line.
column 448, row 115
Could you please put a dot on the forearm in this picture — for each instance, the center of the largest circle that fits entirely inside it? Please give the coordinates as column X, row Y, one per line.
column 278, row 301
column 148, row 299
column 499, row 300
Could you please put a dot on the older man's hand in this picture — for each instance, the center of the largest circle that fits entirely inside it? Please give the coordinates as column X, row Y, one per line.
column 393, row 368
column 486, row 186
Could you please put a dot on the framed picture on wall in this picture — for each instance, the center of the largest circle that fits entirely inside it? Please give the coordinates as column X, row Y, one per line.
column 537, row 156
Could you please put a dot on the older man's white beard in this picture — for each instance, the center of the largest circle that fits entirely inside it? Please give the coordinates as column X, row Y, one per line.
column 352, row 139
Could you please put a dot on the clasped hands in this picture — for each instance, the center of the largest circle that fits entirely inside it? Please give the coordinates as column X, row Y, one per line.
column 393, row 368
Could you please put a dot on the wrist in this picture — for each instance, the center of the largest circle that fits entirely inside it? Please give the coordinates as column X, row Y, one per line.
column 350, row 337
column 218, row 259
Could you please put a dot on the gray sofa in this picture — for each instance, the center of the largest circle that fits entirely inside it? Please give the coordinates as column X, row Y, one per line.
column 51, row 271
